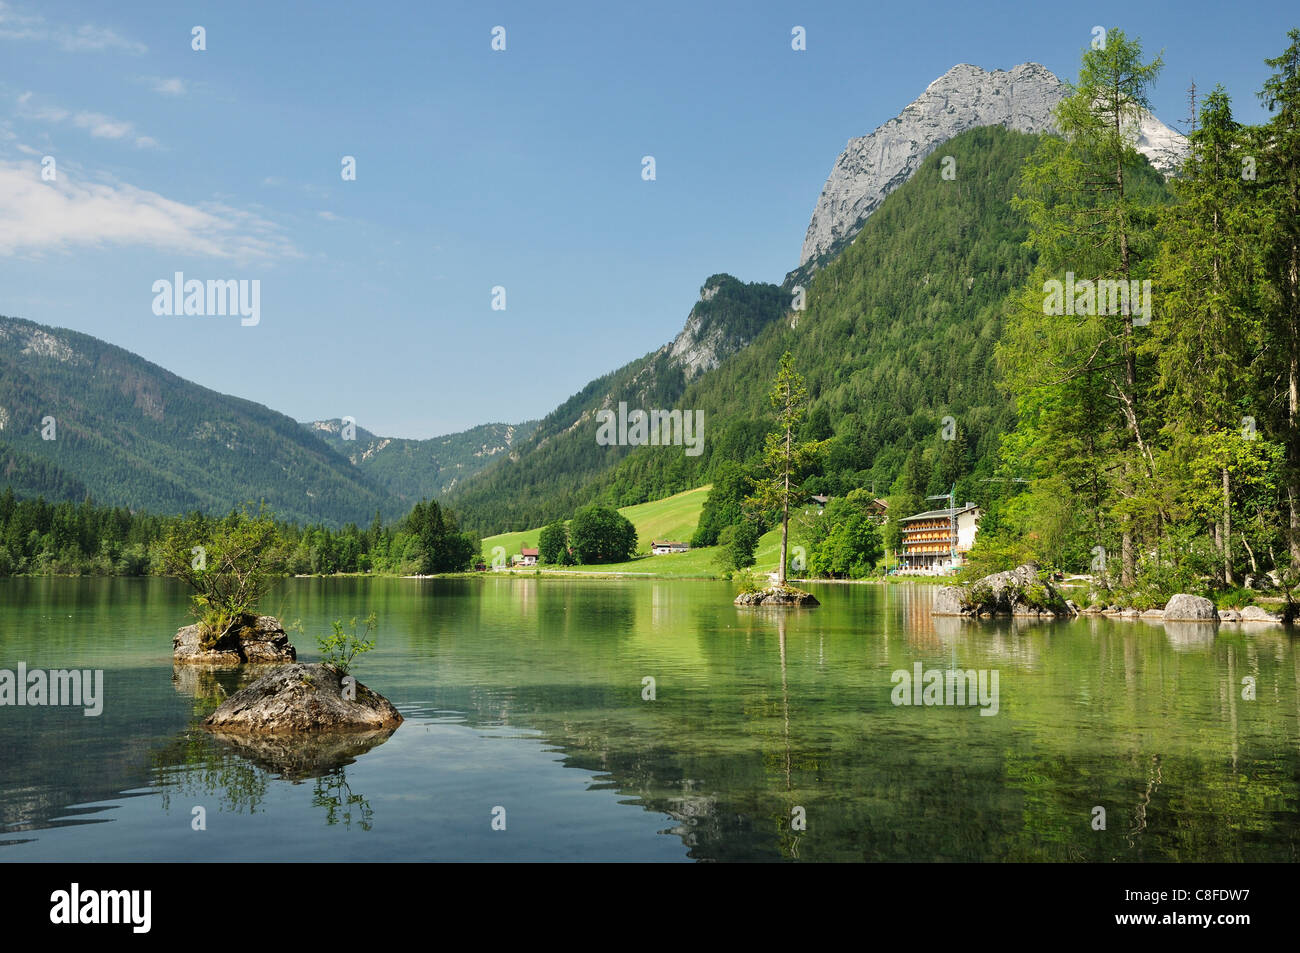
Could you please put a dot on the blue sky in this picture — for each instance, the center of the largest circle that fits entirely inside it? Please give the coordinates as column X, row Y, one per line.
column 475, row 169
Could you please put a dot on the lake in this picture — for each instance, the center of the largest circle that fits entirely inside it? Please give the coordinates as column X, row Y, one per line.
column 762, row 737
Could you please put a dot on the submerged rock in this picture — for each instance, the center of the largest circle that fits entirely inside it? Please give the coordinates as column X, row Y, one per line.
column 303, row 698
column 258, row 639
column 1188, row 608
column 777, row 596
column 297, row 757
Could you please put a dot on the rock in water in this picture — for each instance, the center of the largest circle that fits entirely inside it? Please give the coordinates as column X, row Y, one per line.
column 948, row 601
column 259, row 639
column 1019, row 592
column 1256, row 614
column 303, row 697
column 1188, row 608
column 777, row 596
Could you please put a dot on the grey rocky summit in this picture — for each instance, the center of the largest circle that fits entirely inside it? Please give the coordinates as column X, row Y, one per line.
column 258, row 639
column 966, row 97
column 304, row 698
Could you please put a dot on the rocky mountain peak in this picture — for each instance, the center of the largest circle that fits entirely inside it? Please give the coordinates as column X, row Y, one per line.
column 870, row 167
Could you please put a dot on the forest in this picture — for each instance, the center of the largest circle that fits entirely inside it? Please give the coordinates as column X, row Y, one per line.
column 86, row 539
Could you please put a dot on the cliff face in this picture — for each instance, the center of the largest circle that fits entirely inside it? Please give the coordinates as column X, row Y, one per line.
column 872, row 166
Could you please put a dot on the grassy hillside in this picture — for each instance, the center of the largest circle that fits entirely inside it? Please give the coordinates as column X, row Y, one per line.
column 673, row 518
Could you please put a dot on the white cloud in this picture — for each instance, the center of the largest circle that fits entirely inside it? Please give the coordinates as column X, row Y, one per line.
column 87, row 38
column 101, row 126
column 90, row 38
column 328, row 216
column 38, row 216
column 167, row 85
column 17, row 26
column 96, row 124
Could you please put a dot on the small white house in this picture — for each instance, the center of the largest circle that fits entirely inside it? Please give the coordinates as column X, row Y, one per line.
column 663, row 547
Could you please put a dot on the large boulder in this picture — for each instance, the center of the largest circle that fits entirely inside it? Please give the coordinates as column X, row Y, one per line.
column 777, row 596
column 1188, row 608
column 301, row 698
column 1256, row 614
column 949, row 601
column 256, row 639
column 1022, row 591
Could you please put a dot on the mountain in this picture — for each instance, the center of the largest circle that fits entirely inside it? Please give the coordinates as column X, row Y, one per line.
column 549, row 474
column 412, row 470
column 132, row 434
column 966, row 97
column 898, row 333
column 560, row 468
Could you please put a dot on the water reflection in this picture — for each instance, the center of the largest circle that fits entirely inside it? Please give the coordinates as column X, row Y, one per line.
column 236, row 767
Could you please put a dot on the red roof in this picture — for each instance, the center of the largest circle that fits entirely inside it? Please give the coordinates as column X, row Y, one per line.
column 525, row 551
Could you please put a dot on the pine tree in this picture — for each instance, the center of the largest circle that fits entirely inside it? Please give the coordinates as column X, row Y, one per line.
column 785, row 461
column 1280, row 188
column 1091, row 214
column 1208, row 271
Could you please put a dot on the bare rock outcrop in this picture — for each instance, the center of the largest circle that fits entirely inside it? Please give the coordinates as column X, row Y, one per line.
column 1021, row 99
column 1022, row 591
column 303, row 698
column 257, row 639
column 777, row 596
column 1188, row 608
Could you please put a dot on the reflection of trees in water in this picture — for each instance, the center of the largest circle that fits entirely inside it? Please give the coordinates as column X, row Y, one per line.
column 1140, row 812
column 333, row 793
column 237, row 768
column 194, row 766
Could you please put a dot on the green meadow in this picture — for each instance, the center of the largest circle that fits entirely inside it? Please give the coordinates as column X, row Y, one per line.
column 672, row 518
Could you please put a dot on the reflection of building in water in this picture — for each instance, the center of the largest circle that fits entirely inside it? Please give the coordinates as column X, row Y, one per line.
column 525, row 594
column 913, row 605
column 660, row 604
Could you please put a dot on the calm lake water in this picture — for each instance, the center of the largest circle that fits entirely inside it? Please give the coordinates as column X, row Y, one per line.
column 527, row 694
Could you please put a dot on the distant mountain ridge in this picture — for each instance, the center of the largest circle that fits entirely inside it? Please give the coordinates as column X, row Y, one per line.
column 130, row 433
column 417, row 469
